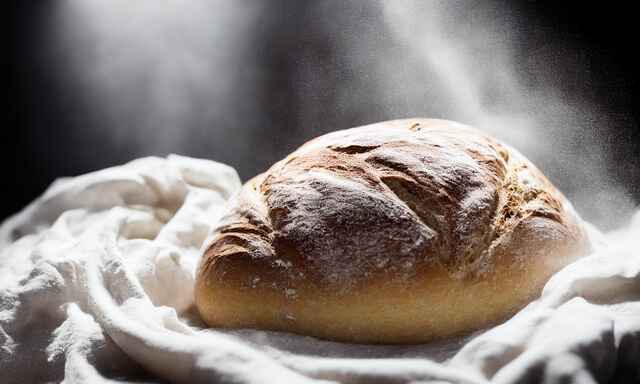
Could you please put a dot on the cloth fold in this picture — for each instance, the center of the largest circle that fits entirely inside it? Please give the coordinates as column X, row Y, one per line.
column 96, row 285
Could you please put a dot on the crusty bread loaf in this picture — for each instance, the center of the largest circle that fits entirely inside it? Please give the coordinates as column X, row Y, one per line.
column 395, row 232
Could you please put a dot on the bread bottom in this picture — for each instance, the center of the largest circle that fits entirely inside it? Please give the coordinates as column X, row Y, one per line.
column 427, row 306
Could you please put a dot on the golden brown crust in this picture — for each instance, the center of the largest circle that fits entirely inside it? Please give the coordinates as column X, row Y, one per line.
column 394, row 232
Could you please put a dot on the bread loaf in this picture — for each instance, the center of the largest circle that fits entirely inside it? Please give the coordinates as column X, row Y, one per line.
column 396, row 232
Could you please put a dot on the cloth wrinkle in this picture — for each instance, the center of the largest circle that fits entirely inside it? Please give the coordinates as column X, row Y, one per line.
column 97, row 279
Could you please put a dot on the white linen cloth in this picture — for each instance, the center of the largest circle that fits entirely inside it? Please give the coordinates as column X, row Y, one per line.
column 96, row 284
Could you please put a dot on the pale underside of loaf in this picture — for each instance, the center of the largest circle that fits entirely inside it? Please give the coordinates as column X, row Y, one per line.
column 428, row 227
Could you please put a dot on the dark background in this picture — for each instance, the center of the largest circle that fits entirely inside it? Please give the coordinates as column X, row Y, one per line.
column 55, row 128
